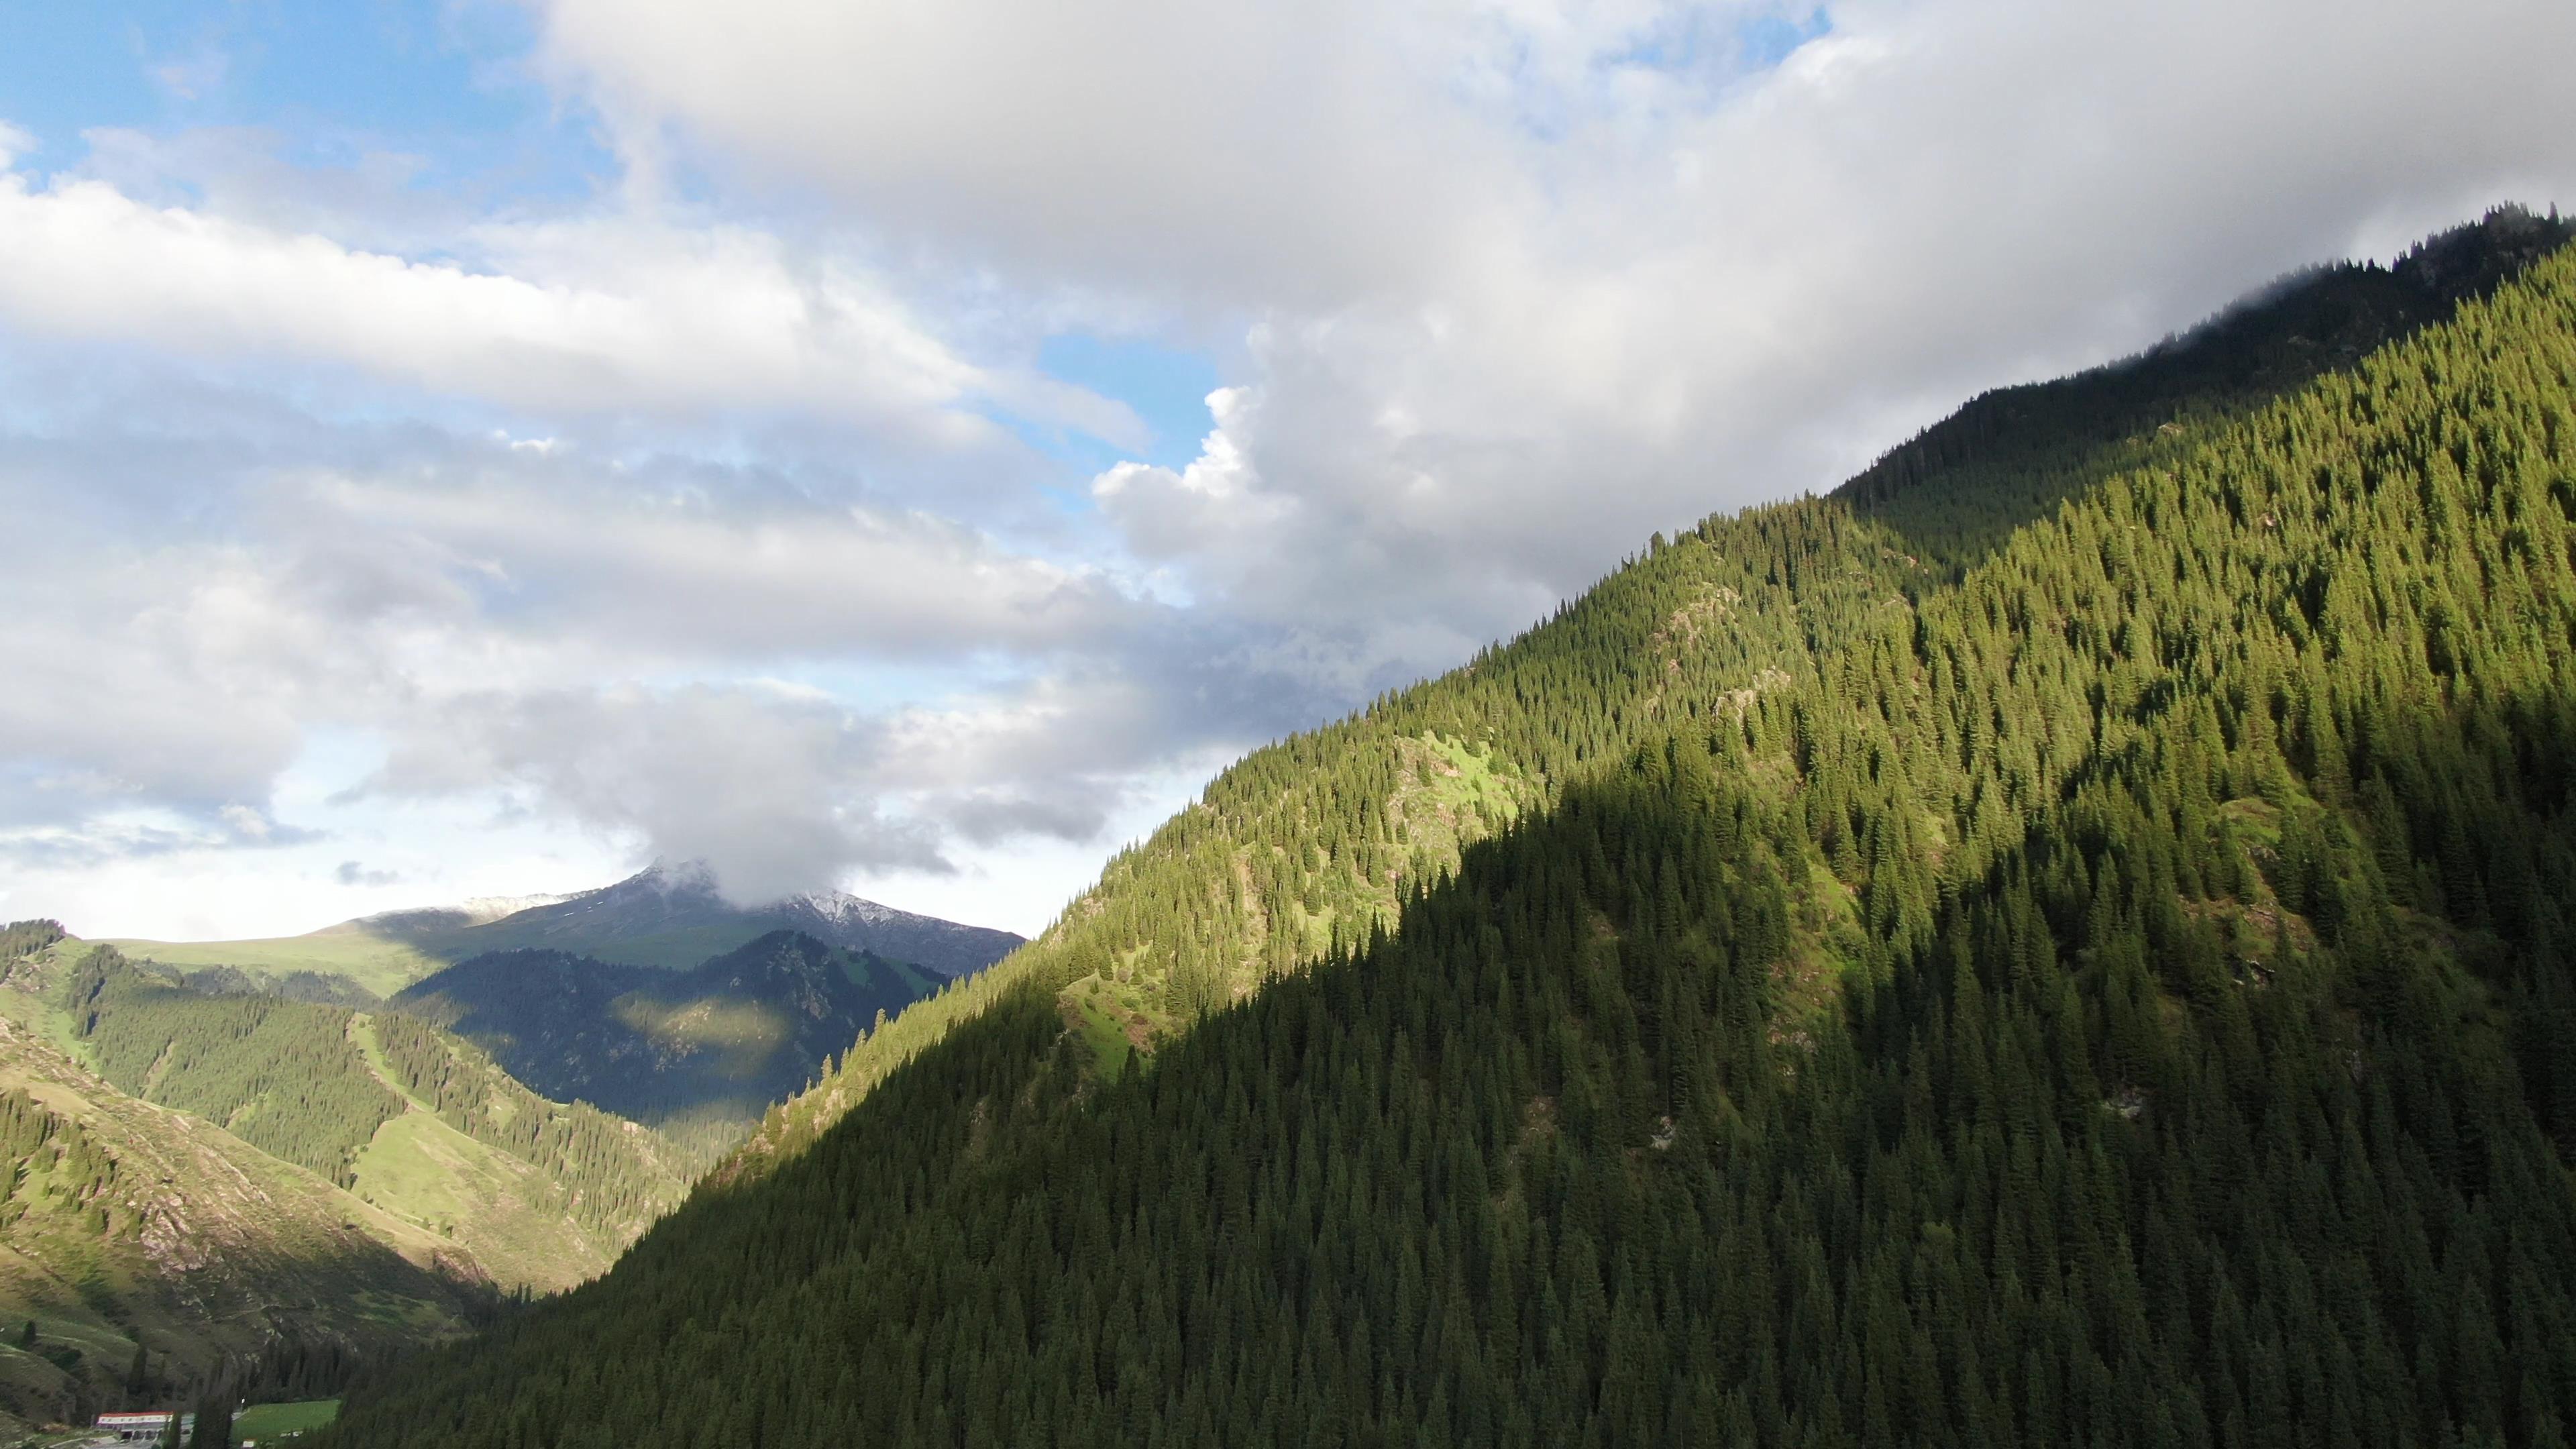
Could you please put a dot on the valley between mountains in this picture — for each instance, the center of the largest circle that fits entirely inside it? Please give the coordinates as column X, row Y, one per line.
column 234, row 1161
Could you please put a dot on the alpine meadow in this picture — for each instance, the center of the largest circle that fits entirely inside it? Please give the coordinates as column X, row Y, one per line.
column 1288, row 724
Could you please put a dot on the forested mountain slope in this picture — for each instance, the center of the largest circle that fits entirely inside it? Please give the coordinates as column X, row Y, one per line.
column 694, row 1049
column 151, row 1249
column 2121, row 998
column 1316, row 837
column 405, row 1118
column 1961, row 486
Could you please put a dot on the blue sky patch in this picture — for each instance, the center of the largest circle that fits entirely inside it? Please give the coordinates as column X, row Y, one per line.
column 443, row 82
column 1166, row 386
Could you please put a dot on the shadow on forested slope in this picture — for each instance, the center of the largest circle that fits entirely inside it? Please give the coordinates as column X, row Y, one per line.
column 2122, row 999
column 1582, row 1151
column 1320, row 834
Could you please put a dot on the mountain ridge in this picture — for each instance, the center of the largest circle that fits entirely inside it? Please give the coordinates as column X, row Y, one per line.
column 542, row 1193
column 132, row 1228
column 1707, row 623
column 2077, row 998
column 668, row 916
column 722, row 1041
column 666, row 901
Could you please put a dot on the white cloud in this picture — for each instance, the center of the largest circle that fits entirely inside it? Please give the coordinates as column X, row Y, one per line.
column 693, row 579
column 1535, row 279
column 546, row 502
column 1201, row 146
column 586, row 313
column 770, row 790
column 619, row 648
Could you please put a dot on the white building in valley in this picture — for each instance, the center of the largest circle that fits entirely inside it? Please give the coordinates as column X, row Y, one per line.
column 144, row 1426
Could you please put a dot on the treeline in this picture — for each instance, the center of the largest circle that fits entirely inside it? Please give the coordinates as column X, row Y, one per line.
column 25, row 938
column 2122, row 999
column 51, row 1163
column 284, row 1076
column 310, row 986
column 1960, row 487
column 610, row 1176
column 1313, row 840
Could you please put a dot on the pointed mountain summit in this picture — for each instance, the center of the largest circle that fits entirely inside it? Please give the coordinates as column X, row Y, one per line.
column 669, row 916
column 672, row 915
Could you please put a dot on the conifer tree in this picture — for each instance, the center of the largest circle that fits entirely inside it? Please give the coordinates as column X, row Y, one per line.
column 2104, row 990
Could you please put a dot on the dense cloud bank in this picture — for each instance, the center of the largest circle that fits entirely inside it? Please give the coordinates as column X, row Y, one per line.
column 727, row 512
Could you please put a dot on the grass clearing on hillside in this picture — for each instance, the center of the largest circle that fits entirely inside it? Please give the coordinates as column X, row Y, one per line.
column 1104, row 1034
column 380, row 965
column 422, row 1170
column 265, row 1421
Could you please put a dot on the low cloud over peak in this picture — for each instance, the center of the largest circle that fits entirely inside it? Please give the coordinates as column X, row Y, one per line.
column 710, row 497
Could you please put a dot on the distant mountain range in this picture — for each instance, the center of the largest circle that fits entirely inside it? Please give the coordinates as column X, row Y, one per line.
column 219, row 1180
column 668, row 916
column 216, row 1165
column 131, row 1227
column 719, row 1042
column 230, row 1156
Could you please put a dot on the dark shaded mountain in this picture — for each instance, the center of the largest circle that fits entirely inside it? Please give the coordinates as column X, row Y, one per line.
column 719, row 1043
column 672, row 916
column 2112, row 988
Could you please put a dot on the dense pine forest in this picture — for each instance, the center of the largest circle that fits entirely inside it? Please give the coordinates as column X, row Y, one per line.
column 2091, row 970
column 284, row 1076
column 69, row 1169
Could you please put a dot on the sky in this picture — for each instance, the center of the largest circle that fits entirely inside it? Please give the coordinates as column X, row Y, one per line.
column 478, row 447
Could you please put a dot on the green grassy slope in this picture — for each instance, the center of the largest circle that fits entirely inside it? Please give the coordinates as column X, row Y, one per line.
column 2120, row 998
column 414, row 1122
column 264, row 1422
column 380, row 1183
column 135, row 1225
column 380, row 965
column 490, row 1205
